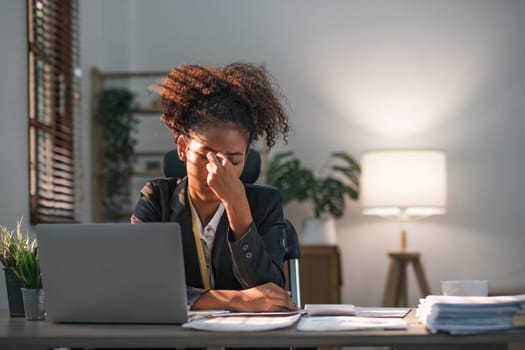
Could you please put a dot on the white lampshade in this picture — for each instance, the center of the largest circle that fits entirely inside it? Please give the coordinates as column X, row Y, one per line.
column 403, row 184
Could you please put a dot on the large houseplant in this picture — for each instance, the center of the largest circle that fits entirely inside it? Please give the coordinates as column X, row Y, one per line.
column 118, row 125
column 327, row 191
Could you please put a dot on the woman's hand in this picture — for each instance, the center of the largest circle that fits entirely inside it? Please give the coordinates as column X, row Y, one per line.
column 224, row 181
column 266, row 297
column 223, row 178
column 263, row 298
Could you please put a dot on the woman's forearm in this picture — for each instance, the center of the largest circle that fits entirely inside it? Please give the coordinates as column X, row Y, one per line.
column 217, row 299
column 266, row 297
column 239, row 216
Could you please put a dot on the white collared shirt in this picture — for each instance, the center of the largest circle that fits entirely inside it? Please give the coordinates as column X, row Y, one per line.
column 208, row 235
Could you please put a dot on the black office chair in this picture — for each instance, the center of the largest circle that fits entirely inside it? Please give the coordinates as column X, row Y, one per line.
column 292, row 255
column 174, row 167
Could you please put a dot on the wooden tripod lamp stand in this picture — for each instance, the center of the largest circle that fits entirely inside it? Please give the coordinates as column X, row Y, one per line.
column 403, row 185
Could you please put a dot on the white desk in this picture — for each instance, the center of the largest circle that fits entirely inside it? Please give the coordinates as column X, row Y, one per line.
column 17, row 333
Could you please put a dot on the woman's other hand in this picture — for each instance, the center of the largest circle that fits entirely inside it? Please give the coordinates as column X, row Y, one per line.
column 266, row 297
column 263, row 298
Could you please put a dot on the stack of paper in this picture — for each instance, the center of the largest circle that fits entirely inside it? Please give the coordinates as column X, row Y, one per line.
column 467, row 315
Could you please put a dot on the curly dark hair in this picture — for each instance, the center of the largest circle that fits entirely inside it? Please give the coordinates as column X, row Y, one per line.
column 196, row 97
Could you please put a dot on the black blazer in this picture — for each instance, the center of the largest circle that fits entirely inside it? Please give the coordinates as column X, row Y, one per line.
column 253, row 260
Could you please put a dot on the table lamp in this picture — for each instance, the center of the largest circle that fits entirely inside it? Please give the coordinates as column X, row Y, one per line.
column 403, row 185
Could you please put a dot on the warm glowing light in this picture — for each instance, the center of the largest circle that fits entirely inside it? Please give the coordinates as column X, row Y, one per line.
column 401, row 91
column 403, row 184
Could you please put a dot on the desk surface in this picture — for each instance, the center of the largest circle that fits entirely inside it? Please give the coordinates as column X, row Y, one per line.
column 19, row 333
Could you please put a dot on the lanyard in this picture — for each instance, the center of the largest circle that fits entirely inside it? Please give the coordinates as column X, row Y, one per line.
column 205, row 277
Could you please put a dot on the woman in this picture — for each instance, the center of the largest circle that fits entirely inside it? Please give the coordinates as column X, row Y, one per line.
column 232, row 232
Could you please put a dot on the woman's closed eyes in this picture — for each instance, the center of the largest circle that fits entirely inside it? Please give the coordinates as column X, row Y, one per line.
column 235, row 159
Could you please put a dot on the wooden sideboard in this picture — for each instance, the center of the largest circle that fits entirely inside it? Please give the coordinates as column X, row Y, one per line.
column 320, row 271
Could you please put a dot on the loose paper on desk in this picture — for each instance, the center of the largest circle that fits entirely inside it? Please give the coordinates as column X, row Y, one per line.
column 269, row 313
column 351, row 310
column 330, row 309
column 242, row 323
column 348, row 323
column 227, row 313
column 381, row 311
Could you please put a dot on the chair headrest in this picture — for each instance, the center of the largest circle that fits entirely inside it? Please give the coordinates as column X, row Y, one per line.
column 174, row 167
column 252, row 167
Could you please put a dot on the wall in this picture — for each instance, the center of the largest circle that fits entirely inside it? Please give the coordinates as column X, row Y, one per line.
column 104, row 44
column 14, row 159
column 370, row 74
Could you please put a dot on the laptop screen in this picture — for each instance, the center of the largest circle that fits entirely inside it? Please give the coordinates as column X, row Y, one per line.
column 113, row 272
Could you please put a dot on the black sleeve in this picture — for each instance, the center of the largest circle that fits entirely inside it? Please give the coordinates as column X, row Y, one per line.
column 154, row 202
column 258, row 255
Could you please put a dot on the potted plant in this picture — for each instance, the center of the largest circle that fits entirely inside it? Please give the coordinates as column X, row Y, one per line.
column 118, row 125
column 10, row 244
column 27, row 269
column 326, row 192
column 19, row 255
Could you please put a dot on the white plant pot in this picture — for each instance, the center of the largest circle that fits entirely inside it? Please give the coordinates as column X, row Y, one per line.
column 319, row 232
column 33, row 303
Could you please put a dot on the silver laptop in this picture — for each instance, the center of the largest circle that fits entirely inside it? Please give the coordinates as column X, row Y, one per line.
column 113, row 273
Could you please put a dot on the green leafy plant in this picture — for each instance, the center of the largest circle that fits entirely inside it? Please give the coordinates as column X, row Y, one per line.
column 11, row 243
column 18, row 252
column 28, row 267
column 118, row 126
column 327, row 193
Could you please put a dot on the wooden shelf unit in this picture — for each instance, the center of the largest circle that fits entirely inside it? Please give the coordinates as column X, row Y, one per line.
column 99, row 81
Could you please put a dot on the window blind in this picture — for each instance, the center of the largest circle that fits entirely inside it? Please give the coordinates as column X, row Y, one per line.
column 53, row 95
